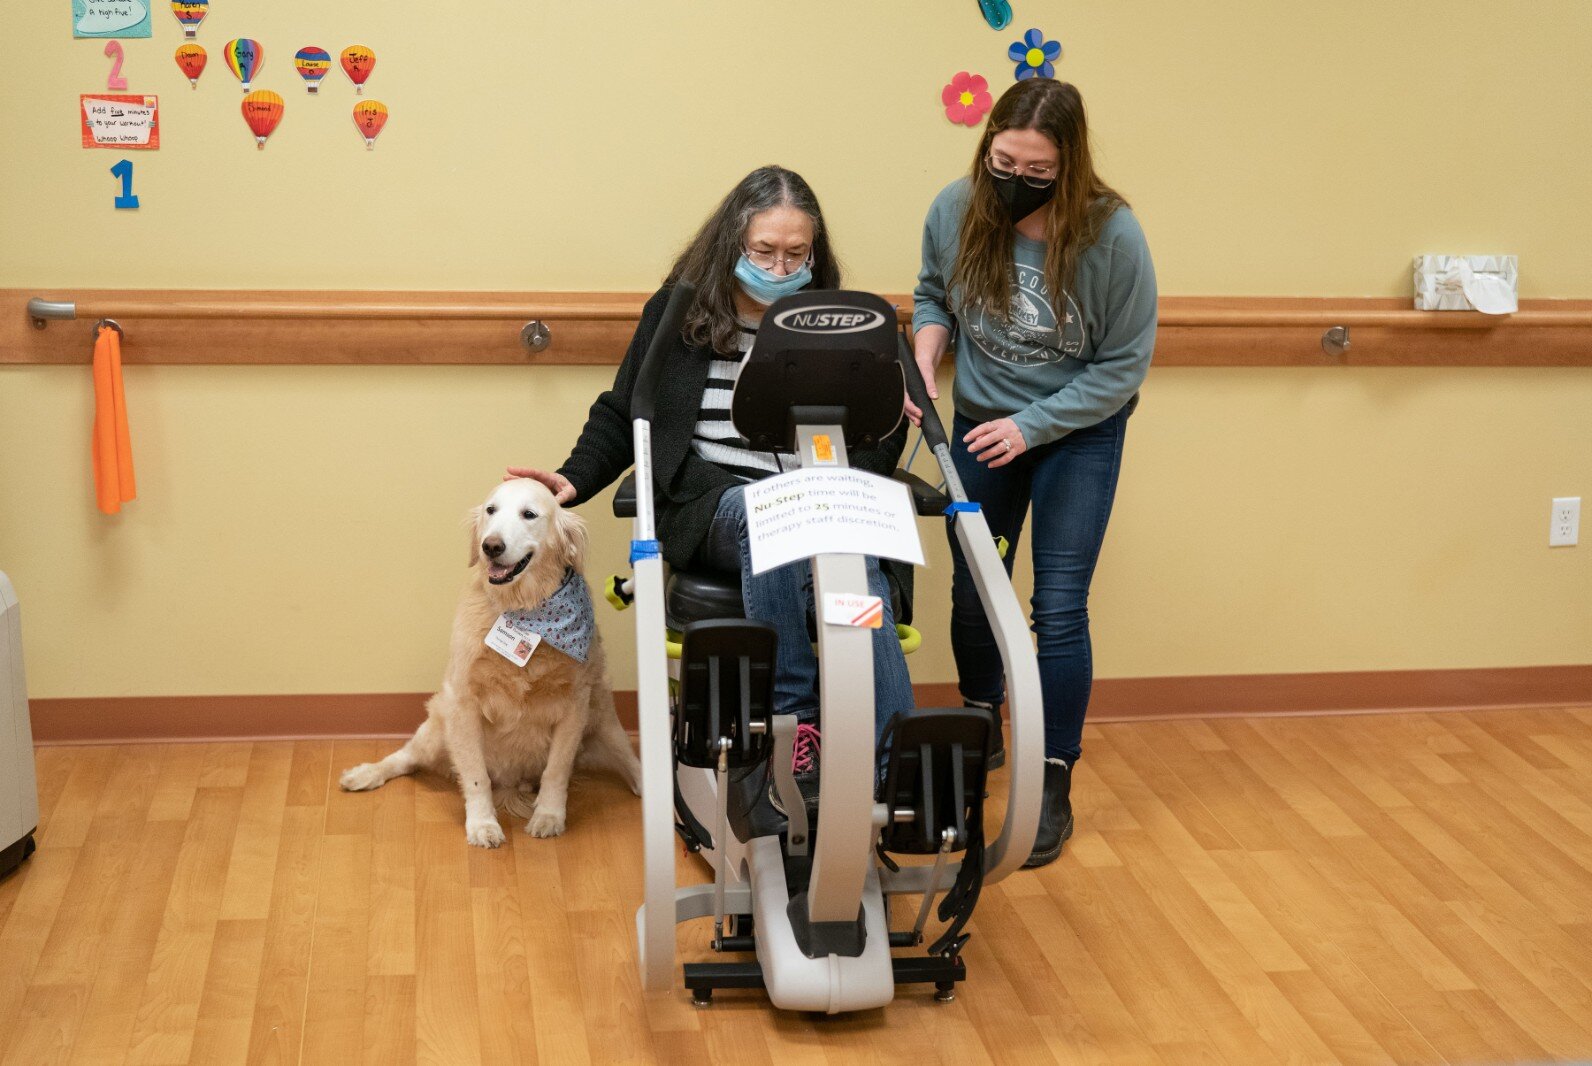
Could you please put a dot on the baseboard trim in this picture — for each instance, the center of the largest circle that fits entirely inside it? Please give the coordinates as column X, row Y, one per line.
column 133, row 719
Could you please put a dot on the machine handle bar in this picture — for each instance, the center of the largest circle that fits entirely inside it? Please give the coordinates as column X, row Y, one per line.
column 933, row 430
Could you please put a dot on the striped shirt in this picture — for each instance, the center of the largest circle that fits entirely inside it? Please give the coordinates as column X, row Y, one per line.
column 715, row 438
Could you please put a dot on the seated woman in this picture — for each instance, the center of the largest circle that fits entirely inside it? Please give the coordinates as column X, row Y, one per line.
column 767, row 239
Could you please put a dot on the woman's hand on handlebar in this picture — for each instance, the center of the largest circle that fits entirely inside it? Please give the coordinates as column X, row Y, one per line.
column 562, row 490
column 928, row 346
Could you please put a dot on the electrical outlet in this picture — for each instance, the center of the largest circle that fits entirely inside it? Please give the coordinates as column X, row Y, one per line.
column 1565, row 526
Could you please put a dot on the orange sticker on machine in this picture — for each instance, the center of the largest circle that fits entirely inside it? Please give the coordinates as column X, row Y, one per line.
column 823, row 448
column 846, row 609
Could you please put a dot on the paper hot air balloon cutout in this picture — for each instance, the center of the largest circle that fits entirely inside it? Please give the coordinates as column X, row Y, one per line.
column 370, row 116
column 190, row 13
column 244, row 59
column 262, row 110
column 192, row 58
column 312, row 64
column 358, row 62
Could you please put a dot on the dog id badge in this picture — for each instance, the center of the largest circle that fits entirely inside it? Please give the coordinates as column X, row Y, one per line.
column 511, row 643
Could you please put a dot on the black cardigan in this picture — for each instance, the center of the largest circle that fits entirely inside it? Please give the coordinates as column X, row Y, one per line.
column 686, row 487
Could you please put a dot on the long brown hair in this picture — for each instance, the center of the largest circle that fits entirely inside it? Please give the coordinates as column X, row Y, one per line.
column 709, row 260
column 1077, row 213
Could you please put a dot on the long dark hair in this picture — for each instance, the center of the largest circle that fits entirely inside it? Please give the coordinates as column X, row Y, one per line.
column 709, row 260
column 1082, row 204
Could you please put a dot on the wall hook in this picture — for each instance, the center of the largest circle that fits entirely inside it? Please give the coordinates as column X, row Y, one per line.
column 1335, row 341
column 536, row 336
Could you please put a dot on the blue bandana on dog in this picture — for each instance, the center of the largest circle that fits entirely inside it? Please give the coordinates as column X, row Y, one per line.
column 565, row 619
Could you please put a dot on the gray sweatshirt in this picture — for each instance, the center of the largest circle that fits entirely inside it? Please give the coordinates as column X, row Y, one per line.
column 1051, row 364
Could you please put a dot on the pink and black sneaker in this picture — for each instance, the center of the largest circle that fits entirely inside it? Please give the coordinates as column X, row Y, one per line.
column 803, row 766
column 804, row 762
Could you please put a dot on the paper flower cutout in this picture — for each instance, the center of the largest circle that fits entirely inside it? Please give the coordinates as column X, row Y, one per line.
column 966, row 99
column 1034, row 55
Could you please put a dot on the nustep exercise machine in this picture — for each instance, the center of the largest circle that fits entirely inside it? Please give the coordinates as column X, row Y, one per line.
column 807, row 892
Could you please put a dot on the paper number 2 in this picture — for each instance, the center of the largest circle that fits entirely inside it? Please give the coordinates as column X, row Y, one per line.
column 115, row 81
column 124, row 170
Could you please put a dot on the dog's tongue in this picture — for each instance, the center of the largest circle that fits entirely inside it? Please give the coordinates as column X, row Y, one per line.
column 496, row 571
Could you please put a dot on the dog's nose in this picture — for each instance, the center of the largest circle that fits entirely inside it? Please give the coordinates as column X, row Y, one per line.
column 492, row 547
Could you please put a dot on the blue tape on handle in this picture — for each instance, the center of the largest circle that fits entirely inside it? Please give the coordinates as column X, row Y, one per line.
column 644, row 549
column 958, row 508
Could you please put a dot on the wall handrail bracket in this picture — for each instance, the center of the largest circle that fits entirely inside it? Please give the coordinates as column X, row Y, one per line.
column 43, row 311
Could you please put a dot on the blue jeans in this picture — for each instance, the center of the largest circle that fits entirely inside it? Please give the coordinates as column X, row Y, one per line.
column 1071, row 483
column 782, row 598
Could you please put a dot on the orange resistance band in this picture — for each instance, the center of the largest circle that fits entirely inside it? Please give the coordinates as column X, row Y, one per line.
column 113, row 445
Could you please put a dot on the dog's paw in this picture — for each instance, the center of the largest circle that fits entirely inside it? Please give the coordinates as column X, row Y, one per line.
column 362, row 777
column 545, row 823
column 485, row 833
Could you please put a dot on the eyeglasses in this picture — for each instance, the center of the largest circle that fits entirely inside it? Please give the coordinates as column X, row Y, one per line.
column 768, row 260
column 1003, row 170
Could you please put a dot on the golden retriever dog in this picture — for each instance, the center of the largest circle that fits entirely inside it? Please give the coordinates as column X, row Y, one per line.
column 505, row 729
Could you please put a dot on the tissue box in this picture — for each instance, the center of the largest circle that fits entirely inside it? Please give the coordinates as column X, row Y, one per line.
column 1489, row 283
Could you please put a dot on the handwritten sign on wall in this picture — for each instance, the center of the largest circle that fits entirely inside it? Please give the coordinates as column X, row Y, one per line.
column 113, row 121
column 110, row 18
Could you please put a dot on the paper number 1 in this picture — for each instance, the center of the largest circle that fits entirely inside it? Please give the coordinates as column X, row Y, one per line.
column 124, row 170
column 115, row 81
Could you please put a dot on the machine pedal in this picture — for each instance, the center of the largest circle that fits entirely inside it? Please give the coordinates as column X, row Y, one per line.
column 934, row 778
column 726, row 692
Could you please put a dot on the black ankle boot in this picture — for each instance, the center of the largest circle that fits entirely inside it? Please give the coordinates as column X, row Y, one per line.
column 997, row 749
column 1055, row 814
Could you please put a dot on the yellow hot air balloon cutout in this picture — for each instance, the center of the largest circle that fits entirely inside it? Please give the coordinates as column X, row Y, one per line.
column 370, row 116
column 262, row 110
column 358, row 61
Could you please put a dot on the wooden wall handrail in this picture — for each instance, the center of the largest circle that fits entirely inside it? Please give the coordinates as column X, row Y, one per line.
column 414, row 310
column 618, row 307
column 277, row 327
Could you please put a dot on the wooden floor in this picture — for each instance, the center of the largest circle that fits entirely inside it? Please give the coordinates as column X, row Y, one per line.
column 1400, row 889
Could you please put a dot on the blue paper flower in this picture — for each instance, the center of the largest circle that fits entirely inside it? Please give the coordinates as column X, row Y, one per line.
column 1034, row 55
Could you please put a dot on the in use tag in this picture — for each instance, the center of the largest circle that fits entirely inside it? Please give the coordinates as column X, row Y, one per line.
column 514, row 645
column 823, row 448
column 845, row 609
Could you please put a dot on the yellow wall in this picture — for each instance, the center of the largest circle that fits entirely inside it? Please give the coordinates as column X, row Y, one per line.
column 299, row 527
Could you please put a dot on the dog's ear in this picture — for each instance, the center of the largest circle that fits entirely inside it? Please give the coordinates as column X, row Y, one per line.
column 473, row 520
column 569, row 529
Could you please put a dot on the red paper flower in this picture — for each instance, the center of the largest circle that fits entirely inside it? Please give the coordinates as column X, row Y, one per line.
column 966, row 99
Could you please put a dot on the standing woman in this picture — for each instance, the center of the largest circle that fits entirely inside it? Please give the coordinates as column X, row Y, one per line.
column 1041, row 274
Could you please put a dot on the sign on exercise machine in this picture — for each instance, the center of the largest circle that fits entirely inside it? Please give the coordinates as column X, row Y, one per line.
column 819, row 511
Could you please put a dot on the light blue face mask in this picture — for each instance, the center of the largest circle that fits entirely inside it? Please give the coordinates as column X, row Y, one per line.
column 765, row 286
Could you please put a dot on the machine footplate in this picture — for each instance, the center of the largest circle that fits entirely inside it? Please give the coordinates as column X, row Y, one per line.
column 943, row 972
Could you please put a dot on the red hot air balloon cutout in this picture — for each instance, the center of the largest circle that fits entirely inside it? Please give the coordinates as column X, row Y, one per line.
column 192, row 58
column 190, row 13
column 244, row 59
column 312, row 64
column 358, row 62
column 262, row 110
column 370, row 116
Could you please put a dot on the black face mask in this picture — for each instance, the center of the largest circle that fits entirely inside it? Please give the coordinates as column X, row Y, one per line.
column 1020, row 198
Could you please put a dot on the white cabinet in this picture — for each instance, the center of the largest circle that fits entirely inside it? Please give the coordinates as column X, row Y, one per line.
column 19, row 792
